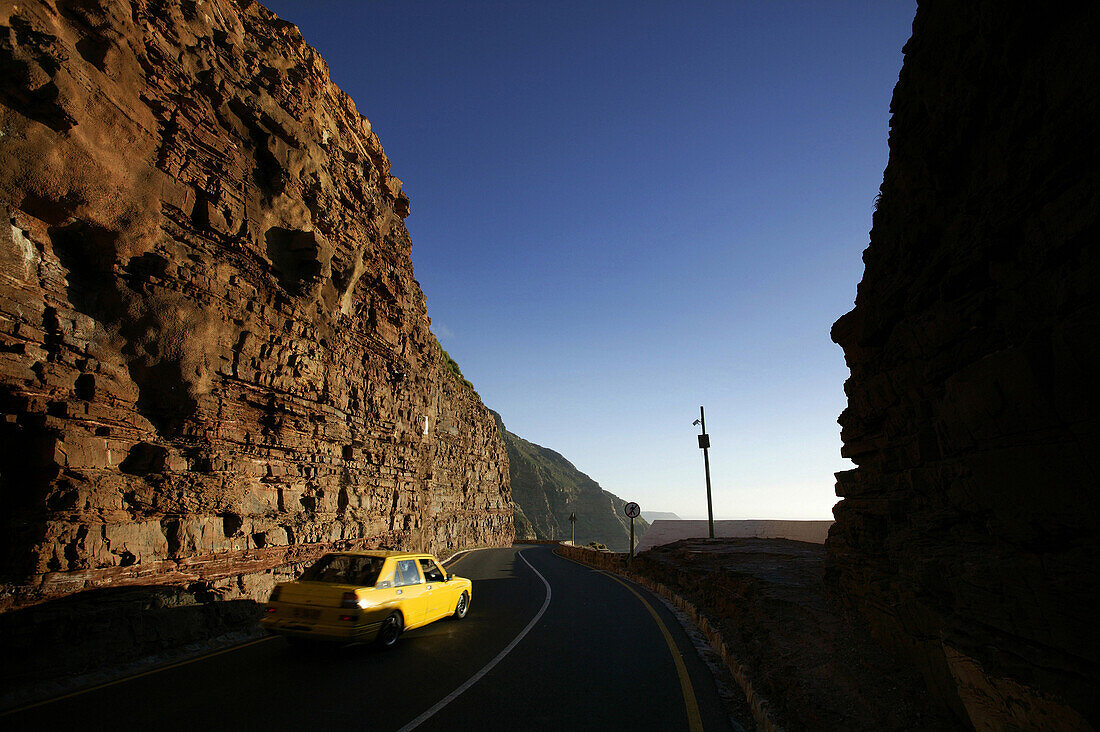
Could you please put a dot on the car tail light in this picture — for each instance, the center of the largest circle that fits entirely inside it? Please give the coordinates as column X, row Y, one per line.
column 352, row 618
column 275, row 594
column 349, row 600
column 271, row 609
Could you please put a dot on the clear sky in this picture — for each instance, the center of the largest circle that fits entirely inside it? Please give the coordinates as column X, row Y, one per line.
column 624, row 210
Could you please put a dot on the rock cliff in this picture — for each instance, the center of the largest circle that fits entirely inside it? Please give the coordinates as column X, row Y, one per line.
column 215, row 361
column 967, row 535
column 547, row 488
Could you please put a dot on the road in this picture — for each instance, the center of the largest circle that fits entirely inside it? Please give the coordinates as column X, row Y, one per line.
column 548, row 644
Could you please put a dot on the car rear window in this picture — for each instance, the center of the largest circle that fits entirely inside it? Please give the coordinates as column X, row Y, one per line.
column 406, row 573
column 345, row 570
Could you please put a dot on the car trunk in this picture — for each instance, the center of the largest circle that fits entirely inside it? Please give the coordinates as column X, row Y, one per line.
column 318, row 594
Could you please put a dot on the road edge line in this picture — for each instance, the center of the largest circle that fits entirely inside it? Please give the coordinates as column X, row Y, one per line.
column 691, row 704
column 759, row 706
column 42, row 702
column 425, row 716
column 124, row 679
column 460, row 554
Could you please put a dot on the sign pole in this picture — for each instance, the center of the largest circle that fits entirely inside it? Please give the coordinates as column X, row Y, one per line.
column 632, row 510
column 632, row 538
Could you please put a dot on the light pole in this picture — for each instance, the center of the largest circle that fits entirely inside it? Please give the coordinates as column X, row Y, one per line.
column 704, row 442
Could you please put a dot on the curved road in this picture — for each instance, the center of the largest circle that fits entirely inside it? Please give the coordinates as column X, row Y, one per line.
column 548, row 645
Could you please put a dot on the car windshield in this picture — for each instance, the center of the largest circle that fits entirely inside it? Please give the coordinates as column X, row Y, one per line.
column 345, row 569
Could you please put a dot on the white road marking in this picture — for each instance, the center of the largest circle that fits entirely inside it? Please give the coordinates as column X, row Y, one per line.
column 489, row 666
column 458, row 555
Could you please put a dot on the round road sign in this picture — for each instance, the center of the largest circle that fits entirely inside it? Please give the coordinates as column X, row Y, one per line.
column 632, row 510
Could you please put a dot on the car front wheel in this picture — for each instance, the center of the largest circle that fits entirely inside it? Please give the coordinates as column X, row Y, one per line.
column 463, row 605
column 390, row 630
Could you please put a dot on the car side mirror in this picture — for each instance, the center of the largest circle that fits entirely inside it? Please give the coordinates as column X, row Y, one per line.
column 450, row 576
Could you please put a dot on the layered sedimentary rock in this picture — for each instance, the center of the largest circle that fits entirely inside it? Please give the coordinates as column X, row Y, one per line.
column 968, row 532
column 547, row 489
column 214, row 358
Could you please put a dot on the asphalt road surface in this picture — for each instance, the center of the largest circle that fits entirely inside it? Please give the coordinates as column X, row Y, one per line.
column 548, row 644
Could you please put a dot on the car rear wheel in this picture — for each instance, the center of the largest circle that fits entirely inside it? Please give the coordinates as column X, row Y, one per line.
column 463, row 605
column 390, row 630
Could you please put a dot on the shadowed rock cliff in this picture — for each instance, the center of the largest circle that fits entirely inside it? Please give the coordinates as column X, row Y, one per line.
column 968, row 532
column 215, row 361
column 547, row 488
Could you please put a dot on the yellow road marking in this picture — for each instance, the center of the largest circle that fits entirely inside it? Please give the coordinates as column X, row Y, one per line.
column 695, row 721
column 150, row 672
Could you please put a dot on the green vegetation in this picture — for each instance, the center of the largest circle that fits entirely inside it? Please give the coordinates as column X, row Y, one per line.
column 452, row 365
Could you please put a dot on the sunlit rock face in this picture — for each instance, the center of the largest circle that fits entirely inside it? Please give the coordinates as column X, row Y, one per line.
column 968, row 532
column 214, row 359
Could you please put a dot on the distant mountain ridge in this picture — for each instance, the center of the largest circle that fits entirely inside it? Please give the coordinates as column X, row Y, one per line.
column 546, row 488
column 652, row 516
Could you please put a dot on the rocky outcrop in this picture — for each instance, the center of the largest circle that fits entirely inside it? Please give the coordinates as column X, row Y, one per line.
column 547, row 488
column 796, row 655
column 215, row 361
column 525, row 530
column 968, row 532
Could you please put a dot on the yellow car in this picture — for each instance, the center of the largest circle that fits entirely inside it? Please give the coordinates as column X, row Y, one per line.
column 366, row 596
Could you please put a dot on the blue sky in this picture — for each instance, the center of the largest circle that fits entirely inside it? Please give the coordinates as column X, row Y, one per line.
column 624, row 210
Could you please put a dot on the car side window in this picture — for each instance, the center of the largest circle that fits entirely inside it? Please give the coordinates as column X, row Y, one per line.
column 432, row 572
column 406, row 573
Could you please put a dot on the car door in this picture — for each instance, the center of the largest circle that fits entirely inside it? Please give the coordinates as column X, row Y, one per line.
column 438, row 596
column 412, row 592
